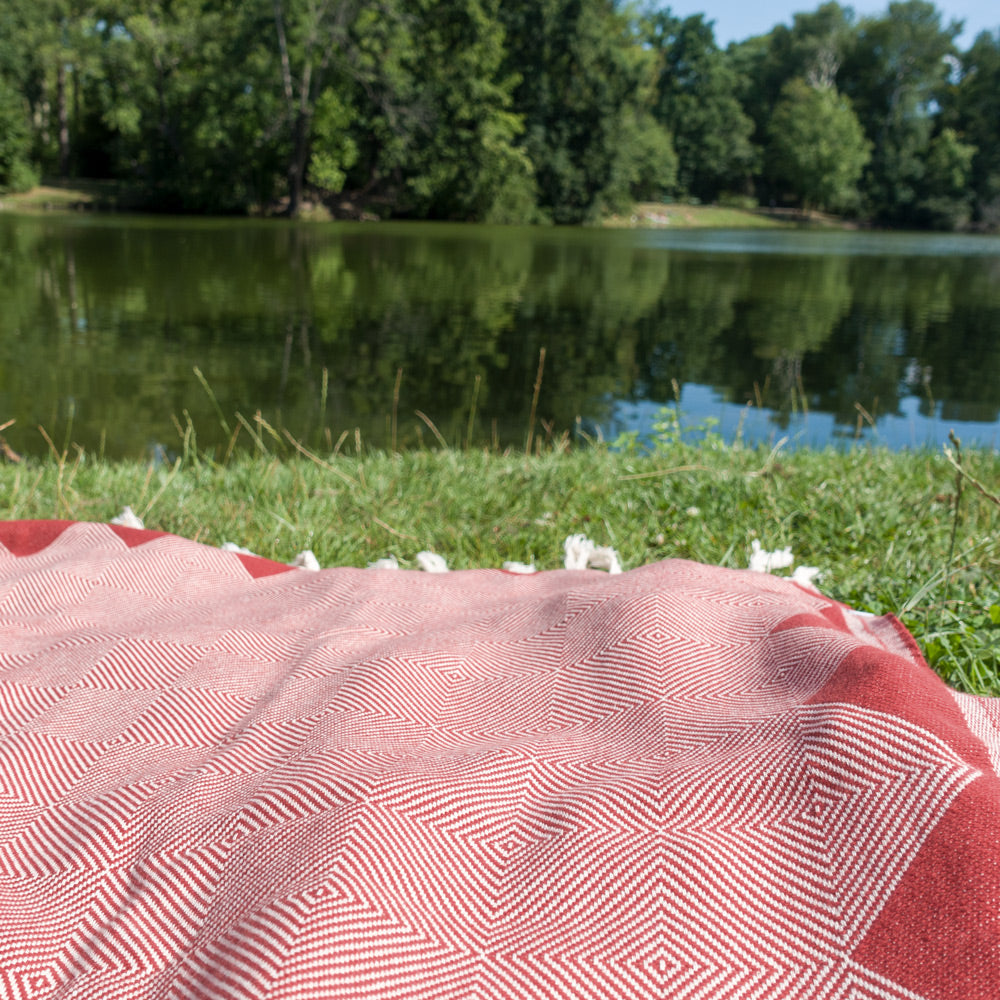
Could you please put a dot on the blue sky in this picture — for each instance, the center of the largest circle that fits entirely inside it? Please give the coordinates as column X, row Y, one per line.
column 739, row 19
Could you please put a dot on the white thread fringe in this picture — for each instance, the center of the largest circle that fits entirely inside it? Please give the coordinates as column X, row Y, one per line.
column 431, row 562
column 520, row 567
column 581, row 553
column 762, row 561
column 128, row 519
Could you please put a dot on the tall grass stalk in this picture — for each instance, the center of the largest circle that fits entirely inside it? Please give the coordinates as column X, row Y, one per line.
column 395, row 407
column 472, row 412
column 212, row 398
column 534, row 401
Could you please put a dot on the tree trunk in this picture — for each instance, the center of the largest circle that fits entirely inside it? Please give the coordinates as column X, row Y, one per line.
column 62, row 110
column 297, row 166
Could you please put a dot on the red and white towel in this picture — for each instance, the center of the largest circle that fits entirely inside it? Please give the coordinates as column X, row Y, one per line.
column 224, row 778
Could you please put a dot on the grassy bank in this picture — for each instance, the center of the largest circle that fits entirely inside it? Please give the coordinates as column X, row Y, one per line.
column 654, row 215
column 71, row 196
column 891, row 532
column 88, row 195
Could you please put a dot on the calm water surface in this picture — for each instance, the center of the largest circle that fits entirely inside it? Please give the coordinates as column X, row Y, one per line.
column 820, row 337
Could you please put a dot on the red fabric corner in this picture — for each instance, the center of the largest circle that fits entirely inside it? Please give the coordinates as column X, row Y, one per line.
column 135, row 536
column 939, row 933
column 258, row 566
column 908, row 689
column 25, row 538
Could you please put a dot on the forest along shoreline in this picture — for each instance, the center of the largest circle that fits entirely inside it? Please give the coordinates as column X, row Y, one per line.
column 563, row 113
column 112, row 196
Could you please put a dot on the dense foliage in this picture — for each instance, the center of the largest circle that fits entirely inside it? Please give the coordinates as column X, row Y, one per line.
column 548, row 110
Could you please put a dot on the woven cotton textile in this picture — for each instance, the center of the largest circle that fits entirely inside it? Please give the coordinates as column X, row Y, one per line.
column 220, row 778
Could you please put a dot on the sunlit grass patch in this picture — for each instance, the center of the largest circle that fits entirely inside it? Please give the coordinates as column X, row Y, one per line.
column 654, row 215
column 55, row 195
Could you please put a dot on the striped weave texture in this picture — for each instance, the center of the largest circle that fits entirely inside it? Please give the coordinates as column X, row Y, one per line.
column 220, row 778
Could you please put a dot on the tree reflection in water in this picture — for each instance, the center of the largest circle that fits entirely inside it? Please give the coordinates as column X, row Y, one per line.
column 311, row 324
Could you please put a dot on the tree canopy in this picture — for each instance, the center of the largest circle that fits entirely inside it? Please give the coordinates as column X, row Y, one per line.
column 817, row 147
column 547, row 110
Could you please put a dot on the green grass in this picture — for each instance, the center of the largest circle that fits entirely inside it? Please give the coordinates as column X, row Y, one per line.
column 654, row 215
column 55, row 195
column 891, row 532
column 676, row 215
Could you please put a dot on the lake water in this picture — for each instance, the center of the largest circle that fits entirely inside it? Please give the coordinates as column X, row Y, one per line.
column 333, row 329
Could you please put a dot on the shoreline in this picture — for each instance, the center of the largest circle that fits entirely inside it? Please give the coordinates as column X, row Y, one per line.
column 676, row 215
column 113, row 197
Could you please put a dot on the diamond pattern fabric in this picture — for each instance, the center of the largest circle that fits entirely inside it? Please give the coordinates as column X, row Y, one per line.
column 222, row 778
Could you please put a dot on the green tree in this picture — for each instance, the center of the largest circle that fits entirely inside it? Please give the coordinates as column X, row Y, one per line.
column 973, row 110
column 48, row 48
column 697, row 104
column 462, row 160
column 406, row 102
column 813, row 48
column 317, row 51
column 947, row 199
column 584, row 92
column 16, row 170
column 334, row 150
column 186, row 107
column 817, row 148
column 896, row 75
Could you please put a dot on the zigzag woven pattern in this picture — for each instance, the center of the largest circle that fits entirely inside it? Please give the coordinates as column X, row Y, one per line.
column 220, row 778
